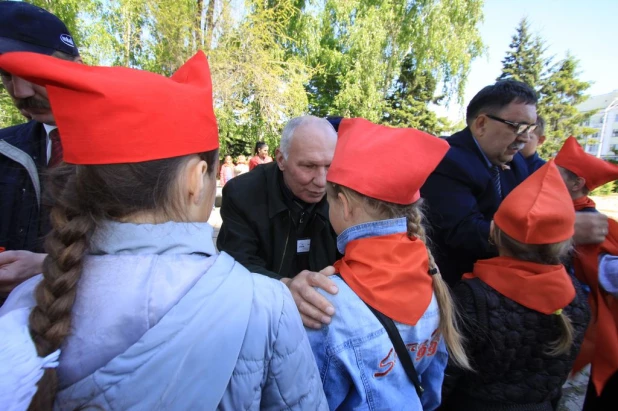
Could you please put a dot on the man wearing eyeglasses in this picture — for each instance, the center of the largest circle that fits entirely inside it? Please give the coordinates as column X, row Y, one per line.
column 484, row 165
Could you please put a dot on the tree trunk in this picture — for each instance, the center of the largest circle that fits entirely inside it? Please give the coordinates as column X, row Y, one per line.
column 210, row 18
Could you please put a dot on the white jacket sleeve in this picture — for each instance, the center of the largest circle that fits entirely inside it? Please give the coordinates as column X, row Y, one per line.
column 293, row 377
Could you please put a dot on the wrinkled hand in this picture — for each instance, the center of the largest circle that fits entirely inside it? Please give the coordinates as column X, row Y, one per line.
column 17, row 266
column 590, row 228
column 314, row 309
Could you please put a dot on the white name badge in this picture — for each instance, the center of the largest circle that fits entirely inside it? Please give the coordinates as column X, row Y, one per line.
column 303, row 246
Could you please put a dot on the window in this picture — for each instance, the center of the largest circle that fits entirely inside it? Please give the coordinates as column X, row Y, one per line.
column 616, row 118
column 615, row 133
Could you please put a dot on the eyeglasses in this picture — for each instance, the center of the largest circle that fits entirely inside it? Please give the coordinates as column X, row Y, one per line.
column 520, row 128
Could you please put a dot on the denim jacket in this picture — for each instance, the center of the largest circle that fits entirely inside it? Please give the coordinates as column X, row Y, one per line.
column 356, row 358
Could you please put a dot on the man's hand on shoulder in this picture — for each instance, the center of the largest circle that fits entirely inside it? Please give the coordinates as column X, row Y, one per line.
column 590, row 228
column 18, row 266
column 314, row 309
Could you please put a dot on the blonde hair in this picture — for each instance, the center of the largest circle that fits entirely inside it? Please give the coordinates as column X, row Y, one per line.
column 550, row 254
column 378, row 209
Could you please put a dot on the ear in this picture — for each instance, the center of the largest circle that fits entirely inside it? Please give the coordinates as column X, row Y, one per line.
column 78, row 59
column 579, row 184
column 541, row 140
column 195, row 174
column 478, row 125
column 280, row 159
column 345, row 206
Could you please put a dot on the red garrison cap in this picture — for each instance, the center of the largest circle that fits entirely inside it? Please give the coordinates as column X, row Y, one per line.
column 109, row 115
column 539, row 210
column 385, row 163
column 595, row 171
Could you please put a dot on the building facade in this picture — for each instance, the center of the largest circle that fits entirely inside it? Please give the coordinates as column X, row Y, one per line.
column 604, row 142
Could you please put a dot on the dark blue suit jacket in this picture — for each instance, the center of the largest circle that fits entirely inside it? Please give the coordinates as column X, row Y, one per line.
column 535, row 162
column 461, row 202
column 22, row 221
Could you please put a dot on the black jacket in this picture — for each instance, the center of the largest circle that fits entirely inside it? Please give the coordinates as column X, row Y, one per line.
column 506, row 343
column 257, row 228
column 23, row 162
column 462, row 202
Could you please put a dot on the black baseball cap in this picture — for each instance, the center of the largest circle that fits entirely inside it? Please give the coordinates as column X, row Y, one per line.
column 25, row 27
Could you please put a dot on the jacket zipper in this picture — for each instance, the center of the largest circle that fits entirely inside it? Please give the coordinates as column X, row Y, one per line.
column 285, row 248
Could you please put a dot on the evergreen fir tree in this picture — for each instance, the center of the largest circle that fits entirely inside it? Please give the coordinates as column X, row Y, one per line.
column 407, row 103
column 524, row 61
column 560, row 93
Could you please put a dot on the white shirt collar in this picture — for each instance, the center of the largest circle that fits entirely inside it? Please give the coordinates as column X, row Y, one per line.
column 49, row 128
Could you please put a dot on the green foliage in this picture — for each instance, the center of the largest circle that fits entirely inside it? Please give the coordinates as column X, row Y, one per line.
column 606, row 189
column 524, row 61
column 272, row 60
column 357, row 47
column 560, row 93
column 557, row 85
column 407, row 104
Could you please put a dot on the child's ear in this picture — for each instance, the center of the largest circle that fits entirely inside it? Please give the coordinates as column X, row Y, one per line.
column 196, row 173
column 345, row 206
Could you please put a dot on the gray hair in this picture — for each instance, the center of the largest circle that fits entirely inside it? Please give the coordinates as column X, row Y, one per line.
column 288, row 131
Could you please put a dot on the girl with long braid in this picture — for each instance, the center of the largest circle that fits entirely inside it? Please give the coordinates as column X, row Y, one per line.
column 135, row 309
column 387, row 346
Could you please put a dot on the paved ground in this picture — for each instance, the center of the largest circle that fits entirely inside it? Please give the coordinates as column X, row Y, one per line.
column 574, row 391
column 608, row 205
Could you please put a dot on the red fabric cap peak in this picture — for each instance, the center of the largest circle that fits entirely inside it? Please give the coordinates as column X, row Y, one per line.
column 385, row 163
column 110, row 115
column 595, row 171
column 539, row 210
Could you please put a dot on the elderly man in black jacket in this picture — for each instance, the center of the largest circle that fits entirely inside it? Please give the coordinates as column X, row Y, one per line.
column 275, row 218
column 27, row 150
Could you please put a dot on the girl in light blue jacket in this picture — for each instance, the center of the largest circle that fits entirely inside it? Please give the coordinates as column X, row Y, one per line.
column 135, row 309
column 386, row 348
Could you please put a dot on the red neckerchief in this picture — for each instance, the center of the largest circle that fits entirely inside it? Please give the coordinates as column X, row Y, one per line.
column 600, row 345
column 583, row 202
column 540, row 287
column 390, row 273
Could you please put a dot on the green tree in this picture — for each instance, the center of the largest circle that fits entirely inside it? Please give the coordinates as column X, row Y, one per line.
column 560, row 93
column 356, row 49
column 524, row 61
column 407, row 104
column 558, row 86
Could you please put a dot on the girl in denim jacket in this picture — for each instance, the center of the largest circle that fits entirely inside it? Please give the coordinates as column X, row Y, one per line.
column 386, row 266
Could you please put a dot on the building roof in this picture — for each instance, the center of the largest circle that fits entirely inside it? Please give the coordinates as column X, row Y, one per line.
column 598, row 102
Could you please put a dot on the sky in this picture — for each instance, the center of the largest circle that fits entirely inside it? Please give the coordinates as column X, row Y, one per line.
column 586, row 28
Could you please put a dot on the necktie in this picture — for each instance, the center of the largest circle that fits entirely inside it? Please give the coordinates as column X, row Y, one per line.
column 56, row 148
column 495, row 176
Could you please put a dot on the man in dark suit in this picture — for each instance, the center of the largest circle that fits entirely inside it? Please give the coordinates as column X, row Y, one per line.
column 275, row 218
column 482, row 167
column 27, row 150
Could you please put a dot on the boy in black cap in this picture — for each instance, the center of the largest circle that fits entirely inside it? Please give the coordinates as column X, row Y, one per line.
column 27, row 150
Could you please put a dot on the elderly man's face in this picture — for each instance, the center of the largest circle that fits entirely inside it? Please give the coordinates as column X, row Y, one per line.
column 310, row 154
column 29, row 98
column 499, row 141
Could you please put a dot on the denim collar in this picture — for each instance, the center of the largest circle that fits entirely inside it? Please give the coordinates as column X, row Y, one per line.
column 168, row 238
column 371, row 229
